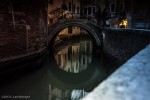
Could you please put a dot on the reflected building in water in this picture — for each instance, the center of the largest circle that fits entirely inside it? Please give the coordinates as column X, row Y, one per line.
column 71, row 31
column 74, row 57
column 59, row 94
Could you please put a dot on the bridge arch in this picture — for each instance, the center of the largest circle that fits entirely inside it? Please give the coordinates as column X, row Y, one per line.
column 85, row 24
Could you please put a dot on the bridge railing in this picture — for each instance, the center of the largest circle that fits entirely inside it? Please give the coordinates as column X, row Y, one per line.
column 59, row 14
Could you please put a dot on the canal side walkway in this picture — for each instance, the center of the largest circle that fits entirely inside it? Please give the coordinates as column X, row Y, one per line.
column 130, row 82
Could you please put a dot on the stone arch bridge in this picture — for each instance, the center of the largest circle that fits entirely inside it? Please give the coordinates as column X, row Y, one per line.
column 94, row 30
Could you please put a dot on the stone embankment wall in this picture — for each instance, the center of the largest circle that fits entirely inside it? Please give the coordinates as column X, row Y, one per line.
column 121, row 44
column 129, row 82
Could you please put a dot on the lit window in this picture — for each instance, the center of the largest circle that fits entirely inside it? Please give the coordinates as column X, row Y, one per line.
column 123, row 23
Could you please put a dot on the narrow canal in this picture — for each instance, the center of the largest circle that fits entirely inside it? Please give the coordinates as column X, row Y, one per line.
column 78, row 67
column 69, row 72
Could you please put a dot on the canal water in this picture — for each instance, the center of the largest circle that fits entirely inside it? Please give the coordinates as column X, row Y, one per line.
column 69, row 71
column 78, row 70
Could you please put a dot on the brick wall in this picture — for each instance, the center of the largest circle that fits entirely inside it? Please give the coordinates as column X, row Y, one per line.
column 121, row 44
column 23, row 27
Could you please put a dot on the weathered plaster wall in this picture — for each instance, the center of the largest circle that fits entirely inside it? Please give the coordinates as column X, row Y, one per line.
column 23, row 27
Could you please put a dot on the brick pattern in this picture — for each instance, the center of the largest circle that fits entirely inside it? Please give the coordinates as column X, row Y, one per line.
column 23, row 27
column 120, row 45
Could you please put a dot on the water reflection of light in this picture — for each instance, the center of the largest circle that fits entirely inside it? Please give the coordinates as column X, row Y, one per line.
column 58, row 94
column 77, row 94
column 75, row 57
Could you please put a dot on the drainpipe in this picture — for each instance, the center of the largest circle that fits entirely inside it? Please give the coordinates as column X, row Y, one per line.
column 12, row 11
column 72, row 9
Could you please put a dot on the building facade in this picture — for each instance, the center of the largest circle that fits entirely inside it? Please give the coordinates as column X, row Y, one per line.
column 88, row 10
column 92, row 10
column 73, row 6
column 58, row 9
column 115, row 13
column 127, row 14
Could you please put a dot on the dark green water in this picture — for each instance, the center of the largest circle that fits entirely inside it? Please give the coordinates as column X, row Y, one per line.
column 70, row 72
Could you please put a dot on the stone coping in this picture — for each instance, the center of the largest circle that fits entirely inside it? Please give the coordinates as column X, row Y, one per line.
column 127, row 29
column 130, row 82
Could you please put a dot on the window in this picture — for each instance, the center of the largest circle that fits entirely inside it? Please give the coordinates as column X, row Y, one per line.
column 112, row 7
column 74, row 6
column 94, row 10
column 89, row 10
column 85, row 11
column 78, row 10
column 69, row 6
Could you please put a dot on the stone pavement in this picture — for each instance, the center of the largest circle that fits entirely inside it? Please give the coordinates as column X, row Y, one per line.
column 130, row 82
